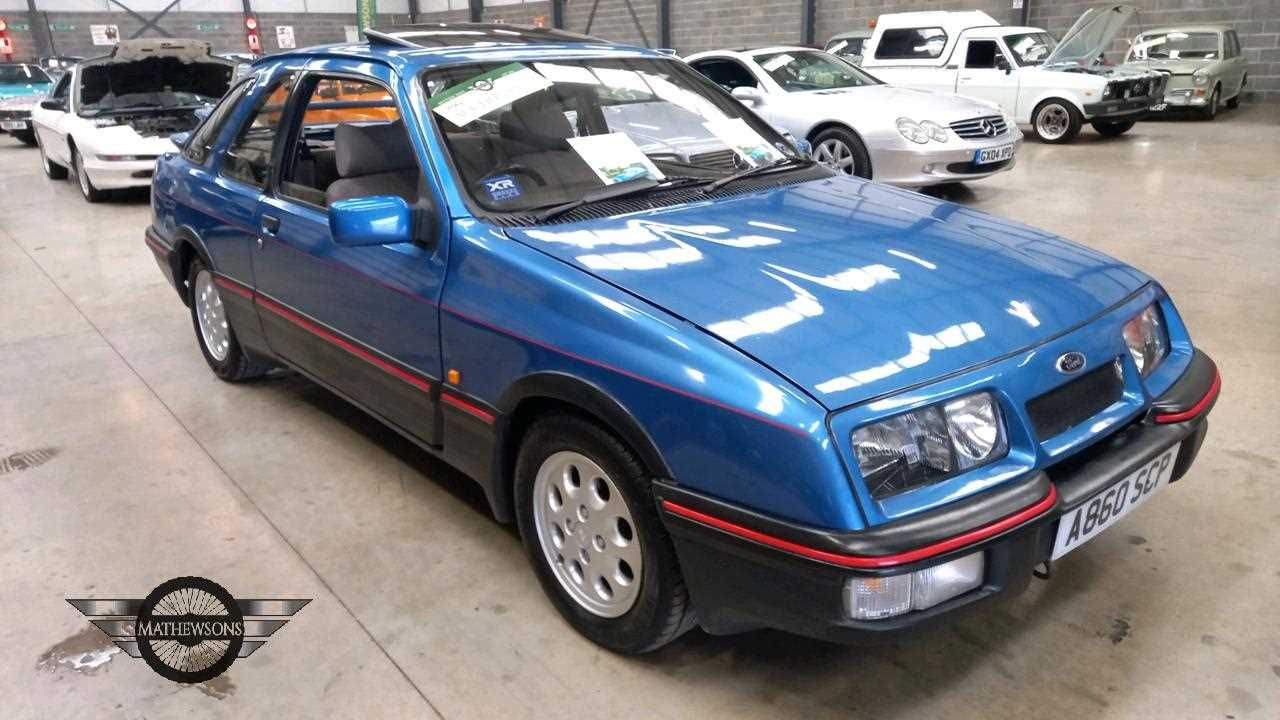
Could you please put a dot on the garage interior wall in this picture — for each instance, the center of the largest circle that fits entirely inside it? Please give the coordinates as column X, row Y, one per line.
column 695, row 24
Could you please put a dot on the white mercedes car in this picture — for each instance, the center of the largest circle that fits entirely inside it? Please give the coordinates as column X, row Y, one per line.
column 109, row 118
column 859, row 125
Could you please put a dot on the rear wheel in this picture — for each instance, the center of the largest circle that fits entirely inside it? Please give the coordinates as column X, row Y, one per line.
column 90, row 193
column 52, row 170
column 590, row 528
column 213, row 329
column 1056, row 121
column 1112, row 129
column 1210, row 110
column 840, row 149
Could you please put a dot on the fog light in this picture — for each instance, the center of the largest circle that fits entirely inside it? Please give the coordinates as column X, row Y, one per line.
column 877, row 598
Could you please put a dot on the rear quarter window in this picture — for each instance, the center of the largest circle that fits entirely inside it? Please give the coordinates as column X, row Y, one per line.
column 924, row 43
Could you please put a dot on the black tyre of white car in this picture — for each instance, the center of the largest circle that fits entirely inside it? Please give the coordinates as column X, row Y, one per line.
column 52, row 170
column 841, row 149
column 590, row 527
column 1056, row 121
column 26, row 137
column 1210, row 110
column 1112, row 129
column 1234, row 102
column 90, row 193
column 216, row 337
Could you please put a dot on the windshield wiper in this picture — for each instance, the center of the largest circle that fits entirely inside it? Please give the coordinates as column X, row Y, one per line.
column 757, row 170
column 611, row 192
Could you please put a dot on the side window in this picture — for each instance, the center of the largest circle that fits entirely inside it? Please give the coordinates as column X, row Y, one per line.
column 350, row 143
column 248, row 157
column 60, row 90
column 1232, row 43
column 726, row 73
column 201, row 143
column 911, row 44
column 982, row 54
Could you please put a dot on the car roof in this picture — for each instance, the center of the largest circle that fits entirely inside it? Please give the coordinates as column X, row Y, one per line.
column 851, row 34
column 1187, row 28
column 432, row 44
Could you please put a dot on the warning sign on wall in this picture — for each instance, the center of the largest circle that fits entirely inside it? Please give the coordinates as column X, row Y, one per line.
column 284, row 37
column 104, row 34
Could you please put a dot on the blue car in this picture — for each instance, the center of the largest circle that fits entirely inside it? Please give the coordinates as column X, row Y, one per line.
column 721, row 394
column 21, row 87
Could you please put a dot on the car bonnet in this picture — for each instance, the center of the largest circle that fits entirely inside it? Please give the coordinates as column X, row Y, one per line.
column 1090, row 36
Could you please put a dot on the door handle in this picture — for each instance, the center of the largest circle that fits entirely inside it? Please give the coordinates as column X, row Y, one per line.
column 270, row 224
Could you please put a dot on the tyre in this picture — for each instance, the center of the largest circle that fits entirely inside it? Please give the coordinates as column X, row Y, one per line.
column 840, row 149
column 214, row 333
column 26, row 137
column 1056, row 121
column 52, row 170
column 90, row 193
column 1210, row 110
column 1234, row 102
column 590, row 527
column 1112, row 129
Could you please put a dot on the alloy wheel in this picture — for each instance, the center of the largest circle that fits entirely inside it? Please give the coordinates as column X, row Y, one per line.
column 1053, row 121
column 587, row 534
column 83, row 176
column 211, row 316
column 836, row 155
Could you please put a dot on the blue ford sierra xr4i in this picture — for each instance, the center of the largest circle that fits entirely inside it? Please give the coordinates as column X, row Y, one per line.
column 713, row 382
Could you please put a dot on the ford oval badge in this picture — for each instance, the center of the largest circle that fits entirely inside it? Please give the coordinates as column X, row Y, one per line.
column 1070, row 363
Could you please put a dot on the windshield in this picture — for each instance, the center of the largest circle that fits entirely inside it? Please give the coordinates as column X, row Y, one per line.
column 527, row 135
column 801, row 70
column 847, row 46
column 22, row 75
column 151, row 83
column 1030, row 48
column 1175, row 46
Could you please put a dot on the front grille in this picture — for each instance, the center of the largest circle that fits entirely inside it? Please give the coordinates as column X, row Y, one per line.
column 1069, row 405
column 971, row 167
column 977, row 128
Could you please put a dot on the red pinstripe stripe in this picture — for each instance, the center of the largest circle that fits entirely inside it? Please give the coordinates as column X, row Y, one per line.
column 467, row 407
column 359, row 352
column 1199, row 407
column 235, row 287
column 870, row 561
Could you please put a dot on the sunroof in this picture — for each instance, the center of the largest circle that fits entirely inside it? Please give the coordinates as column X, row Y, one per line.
column 434, row 35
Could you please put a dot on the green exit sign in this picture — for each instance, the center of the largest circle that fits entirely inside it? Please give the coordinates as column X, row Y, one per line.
column 208, row 26
column 62, row 27
column 20, row 26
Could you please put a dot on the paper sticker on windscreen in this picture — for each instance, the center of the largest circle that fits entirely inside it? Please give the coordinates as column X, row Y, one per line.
column 614, row 158
column 745, row 142
column 478, row 96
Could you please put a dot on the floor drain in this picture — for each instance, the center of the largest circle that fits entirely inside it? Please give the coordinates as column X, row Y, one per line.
column 26, row 459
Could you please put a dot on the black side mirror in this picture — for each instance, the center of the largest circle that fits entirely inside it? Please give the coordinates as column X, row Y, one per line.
column 1003, row 64
column 58, row 105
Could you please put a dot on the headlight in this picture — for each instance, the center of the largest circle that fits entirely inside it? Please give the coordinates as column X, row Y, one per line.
column 936, row 131
column 1108, row 91
column 1200, row 77
column 913, row 131
column 930, row 444
column 1147, row 339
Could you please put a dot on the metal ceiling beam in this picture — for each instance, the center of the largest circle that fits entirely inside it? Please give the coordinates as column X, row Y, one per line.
column 41, row 36
column 147, row 24
column 557, row 14
column 808, row 11
column 664, row 23
column 477, row 10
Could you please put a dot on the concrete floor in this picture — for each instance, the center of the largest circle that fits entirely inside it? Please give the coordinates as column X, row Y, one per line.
column 424, row 606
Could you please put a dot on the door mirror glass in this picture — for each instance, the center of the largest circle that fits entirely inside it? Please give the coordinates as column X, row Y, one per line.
column 56, row 105
column 1003, row 64
column 748, row 95
column 375, row 220
column 180, row 139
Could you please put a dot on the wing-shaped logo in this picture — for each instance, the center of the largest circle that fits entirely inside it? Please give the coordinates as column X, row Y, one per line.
column 189, row 629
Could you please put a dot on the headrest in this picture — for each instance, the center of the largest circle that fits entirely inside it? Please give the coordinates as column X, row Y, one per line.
column 371, row 149
column 536, row 120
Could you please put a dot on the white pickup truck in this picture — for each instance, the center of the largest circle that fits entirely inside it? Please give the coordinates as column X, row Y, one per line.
column 1054, row 87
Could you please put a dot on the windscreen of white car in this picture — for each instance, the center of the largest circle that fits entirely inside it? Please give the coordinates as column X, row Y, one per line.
column 159, row 83
column 847, row 46
column 804, row 70
column 532, row 135
column 1030, row 48
column 1175, row 46
column 22, row 74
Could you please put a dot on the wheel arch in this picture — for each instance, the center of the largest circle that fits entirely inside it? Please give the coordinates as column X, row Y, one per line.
column 187, row 246
column 541, row 393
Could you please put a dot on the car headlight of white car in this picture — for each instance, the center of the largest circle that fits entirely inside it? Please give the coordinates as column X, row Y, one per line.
column 1200, row 77
column 921, row 132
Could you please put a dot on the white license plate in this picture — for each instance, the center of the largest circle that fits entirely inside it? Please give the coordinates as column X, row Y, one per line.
column 995, row 154
column 1107, row 507
column 13, row 125
column 1160, row 106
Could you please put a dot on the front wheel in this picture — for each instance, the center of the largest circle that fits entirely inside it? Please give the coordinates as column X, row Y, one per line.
column 1112, row 129
column 52, row 170
column 87, row 189
column 1210, row 110
column 1056, row 121
column 590, row 528
column 217, row 339
column 840, row 149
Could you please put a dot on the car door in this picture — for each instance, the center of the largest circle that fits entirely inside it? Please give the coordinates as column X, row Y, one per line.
column 1237, row 63
column 986, row 73
column 360, row 319
column 50, row 125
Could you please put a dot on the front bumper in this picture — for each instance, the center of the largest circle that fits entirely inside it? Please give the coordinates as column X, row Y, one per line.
column 15, row 121
column 747, row 571
column 115, row 175
column 1120, row 109
column 1192, row 97
column 907, row 164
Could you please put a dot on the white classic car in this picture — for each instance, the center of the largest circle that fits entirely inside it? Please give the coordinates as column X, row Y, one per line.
column 859, row 125
column 1052, row 86
column 109, row 118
